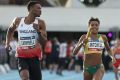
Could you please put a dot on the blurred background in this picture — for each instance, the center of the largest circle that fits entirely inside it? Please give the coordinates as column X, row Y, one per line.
column 66, row 21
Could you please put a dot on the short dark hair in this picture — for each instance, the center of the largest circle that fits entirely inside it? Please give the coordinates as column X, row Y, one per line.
column 32, row 3
column 94, row 19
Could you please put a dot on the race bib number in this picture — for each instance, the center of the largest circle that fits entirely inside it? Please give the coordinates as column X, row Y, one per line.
column 27, row 41
column 97, row 45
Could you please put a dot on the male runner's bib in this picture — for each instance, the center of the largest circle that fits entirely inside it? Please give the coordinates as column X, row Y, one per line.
column 28, row 45
column 94, row 46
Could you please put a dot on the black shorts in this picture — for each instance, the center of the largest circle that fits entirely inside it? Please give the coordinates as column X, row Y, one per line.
column 62, row 62
column 32, row 65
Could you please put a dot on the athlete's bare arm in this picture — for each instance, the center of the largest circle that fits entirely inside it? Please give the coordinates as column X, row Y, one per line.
column 11, row 30
column 41, row 30
column 113, row 50
column 107, row 46
column 79, row 44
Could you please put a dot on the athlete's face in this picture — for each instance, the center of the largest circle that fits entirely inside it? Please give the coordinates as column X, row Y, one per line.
column 94, row 27
column 36, row 10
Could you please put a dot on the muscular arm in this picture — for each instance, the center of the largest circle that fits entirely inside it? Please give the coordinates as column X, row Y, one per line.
column 10, row 31
column 107, row 46
column 42, row 32
column 79, row 45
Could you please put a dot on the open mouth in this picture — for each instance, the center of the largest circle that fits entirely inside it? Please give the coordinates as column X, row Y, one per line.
column 94, row 29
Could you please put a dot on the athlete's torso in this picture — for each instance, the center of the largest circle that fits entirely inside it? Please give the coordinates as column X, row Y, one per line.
column 94, row 46
column 93, row 50
column 28, row 45
column 117, row 53
column 117, row 56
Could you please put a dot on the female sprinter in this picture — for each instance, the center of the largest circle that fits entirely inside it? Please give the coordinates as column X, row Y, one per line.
column 93, row 44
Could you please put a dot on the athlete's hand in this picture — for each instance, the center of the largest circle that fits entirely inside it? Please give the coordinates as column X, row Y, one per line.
column 8, row 47
column 115, row 69
column 113, row 60
column 88, row 32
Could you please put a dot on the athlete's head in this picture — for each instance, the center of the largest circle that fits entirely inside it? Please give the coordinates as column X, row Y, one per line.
column 34, row 7
column 94, row 23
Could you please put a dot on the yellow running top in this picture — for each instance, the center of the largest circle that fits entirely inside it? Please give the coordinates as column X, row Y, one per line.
column 94, row 46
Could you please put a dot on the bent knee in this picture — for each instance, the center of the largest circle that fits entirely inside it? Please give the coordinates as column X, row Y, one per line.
column 25, row 78
column 24, row 74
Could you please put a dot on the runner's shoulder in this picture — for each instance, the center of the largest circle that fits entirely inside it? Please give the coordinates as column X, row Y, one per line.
column 17, row 19
column 41, row 23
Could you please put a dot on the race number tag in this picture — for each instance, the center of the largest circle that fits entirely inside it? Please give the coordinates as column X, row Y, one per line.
column 97, row 45
column 27, row 41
